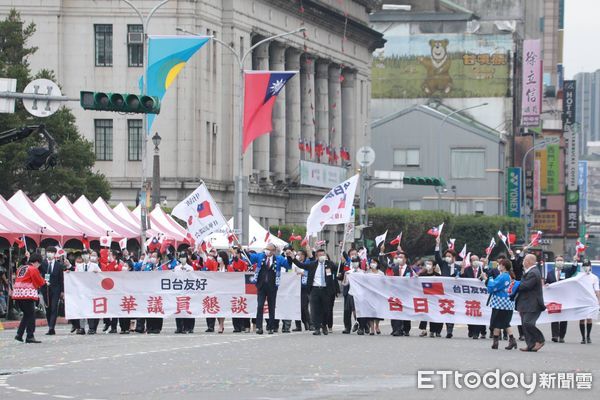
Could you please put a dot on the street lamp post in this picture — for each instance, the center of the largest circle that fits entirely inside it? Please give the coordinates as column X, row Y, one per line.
column 439, row 151
column 241, row 181
column 156, row 170
column 143, row 185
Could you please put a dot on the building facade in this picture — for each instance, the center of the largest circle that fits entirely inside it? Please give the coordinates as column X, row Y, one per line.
column 95, row 45
column 431, row 140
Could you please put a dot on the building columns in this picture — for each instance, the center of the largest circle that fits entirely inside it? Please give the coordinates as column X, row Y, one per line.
column 293, row 114
column 322, row 105
column 307, row 93
column 349, row 129
column 278, row 135
column 261, row 145
column 335, row 107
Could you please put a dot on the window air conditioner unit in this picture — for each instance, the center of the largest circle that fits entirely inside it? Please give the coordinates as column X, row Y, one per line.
column 135, row 38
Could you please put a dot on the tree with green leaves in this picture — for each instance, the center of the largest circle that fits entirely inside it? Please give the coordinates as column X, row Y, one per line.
column 73, row 174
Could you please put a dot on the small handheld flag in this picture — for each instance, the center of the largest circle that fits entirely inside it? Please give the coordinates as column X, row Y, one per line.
column 436, row 231
column 488, row 251
column 463, row 252
column 380, row 238
column 397, row 240
column 451, row 244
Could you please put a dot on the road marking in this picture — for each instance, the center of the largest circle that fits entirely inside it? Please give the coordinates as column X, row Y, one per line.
column 62, row 396
column 40, row 393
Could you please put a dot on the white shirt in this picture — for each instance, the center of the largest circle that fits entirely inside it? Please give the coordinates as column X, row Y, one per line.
column 595, row 282
column 319, row 279
column 91, row 267
column 181, row 267
column 345, row 282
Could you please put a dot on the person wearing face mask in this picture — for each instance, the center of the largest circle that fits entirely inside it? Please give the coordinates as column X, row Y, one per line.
column 267, row 277
column 435, row 328
column 184, row 325
column 321, row 273
column 53, row 292
column 81, row 265
column 500, row 290
column 75, row 323
column 399, row 267
column 559, row 273
column 529, row 301
column 374, row 322
column 305, row 320
column 146, row 263
column 586, row 268
column 352, row 262
column 349, row 300
column 474, row 271
column 448, row 267
column 25, row 294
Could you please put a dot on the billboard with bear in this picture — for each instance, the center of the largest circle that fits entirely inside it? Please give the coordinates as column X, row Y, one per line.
column 443, row 65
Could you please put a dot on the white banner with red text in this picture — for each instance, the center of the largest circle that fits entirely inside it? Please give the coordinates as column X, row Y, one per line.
column 461, row 300
column 168, row 294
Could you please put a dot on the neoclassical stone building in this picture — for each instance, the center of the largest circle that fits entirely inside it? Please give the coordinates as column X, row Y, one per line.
column 92, row 45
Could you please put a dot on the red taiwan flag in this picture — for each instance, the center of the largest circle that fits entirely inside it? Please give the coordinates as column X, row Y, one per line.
column 260, row 91
column 434, row 288
column 250, row 287
column 294, row 238
column 301, row 146
column 20, row 242
column 319, row 149
column 204, row 209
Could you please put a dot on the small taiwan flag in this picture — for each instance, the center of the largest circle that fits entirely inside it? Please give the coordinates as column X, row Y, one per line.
column 433, row 288
column 204, row 209
column 250, row 286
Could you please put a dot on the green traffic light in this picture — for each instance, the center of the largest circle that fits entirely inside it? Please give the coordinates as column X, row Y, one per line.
column 119, row 102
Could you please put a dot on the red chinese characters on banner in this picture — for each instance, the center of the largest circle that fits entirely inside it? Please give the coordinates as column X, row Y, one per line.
column 155, row 305
column 128, row 304
column 395, row 304
column 239, row 305
column 100, row 305
column 473, row 308
column 554, row 308
column 210, row 305
column 446, row 306
column 183, row 304
column 421, row 305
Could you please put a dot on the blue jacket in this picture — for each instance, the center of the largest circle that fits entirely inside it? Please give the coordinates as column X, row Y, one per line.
column 259, row 259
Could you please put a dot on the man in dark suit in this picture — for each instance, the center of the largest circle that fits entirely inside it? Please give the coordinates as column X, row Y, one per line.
column 321, row 274
column 559, row 273
column 53, row 291
column 448, row 267
column 474, row 271
column 529, row 302
column 267, row 277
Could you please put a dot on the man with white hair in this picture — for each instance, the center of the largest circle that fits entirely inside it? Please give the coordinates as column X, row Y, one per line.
column 267, row 277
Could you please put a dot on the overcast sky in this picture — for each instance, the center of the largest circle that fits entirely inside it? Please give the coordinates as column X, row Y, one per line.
column 581, row 52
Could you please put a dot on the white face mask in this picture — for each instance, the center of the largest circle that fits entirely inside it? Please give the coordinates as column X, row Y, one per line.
column 183, row 261
column 298, row 258
column 428, row 267
column 400, row 261
column 477, row 264
column 322, row 259
column 78, row 265
column 355, row 264
column 587, row 269
column 50, row 256
column 448, row 260
column 219, row 259
column 86, row 257
column 152, row 260
column 560, row 264
column 93, row 259
column 267, row 252
column 373, row 266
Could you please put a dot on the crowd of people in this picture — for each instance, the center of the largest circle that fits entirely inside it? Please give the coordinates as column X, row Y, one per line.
column 514, row 281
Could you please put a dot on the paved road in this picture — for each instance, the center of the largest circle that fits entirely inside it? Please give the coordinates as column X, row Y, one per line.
column 279, row 366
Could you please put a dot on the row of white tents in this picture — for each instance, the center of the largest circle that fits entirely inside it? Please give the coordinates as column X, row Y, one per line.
column 83, row 220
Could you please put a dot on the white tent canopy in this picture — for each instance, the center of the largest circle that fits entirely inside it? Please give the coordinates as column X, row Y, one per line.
column 256, row 236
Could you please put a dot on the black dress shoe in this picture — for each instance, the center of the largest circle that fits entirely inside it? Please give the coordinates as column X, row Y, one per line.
column 555, row 339
column 360, row 332
column 396, row 333
column 521, row 338
column 178, row 331
column 19, row 338
column 105, row 328
column 32, row 340
column 73, row 329
column 325, row 332
column 317, row 332
column 51, row 332
column 285, row 331
column 406, row 334
column 561, row 340
column 259, row 331
column 81, row 331
column 124, row 332
column 346, row 331
column 190, row 331
column 113, row 331
column 236, row 331
column 449, row 336
column 297, row 330
column 589, row 340
column 209, row 330
column 270, row 331
column 91, row 332
column 355, row 327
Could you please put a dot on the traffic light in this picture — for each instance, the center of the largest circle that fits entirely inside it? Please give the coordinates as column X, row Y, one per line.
column 423, row 181
column 120, row 102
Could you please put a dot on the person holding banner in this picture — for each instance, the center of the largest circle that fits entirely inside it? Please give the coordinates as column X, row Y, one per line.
column 87, row 266
column 448, row 267
column 587, row 269
column 500, row 290
column 560, row 272
column 25, row 294
column 374, row 322
column 267, row 277
column 399, row 267
column 352, row 262
column 435, row 328
column 529, row 301
column 473, row 268
column 184, row 325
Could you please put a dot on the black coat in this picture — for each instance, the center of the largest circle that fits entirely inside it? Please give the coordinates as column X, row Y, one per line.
column 311, row 267
column 530, row 297
column 57, row 284
column 445, row 267
column 569, row 272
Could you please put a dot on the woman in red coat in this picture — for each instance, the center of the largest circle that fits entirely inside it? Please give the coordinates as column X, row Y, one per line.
column 25, row 294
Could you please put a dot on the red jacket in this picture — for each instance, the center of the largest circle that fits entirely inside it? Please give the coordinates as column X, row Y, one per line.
column 27, row 283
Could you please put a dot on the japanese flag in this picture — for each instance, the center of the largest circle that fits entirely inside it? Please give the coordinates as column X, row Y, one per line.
column 60, row 251
column 123, row 243
column 467, row 260
column 502, row 237
column 105, row 241
column 335, row 208
column 381, row 238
